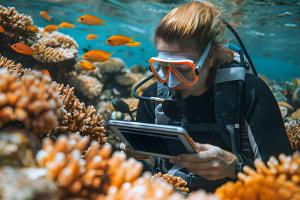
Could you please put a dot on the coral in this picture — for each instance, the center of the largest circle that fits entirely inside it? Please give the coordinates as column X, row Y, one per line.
column 89, row 175
column 296, row 114
column 54, row 47
column 15, row 24
column 13, row 67
column 15, row 150
column 293, row 132
column 176, row 181
column 26, row 183
column 31, row 100
column 79, row 118
column 279, row 180
column 89, row 86
column 201, row 195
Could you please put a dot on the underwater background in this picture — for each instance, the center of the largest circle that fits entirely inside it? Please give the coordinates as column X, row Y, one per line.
column 270, row 30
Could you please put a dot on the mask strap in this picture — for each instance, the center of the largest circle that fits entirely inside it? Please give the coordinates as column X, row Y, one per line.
column 204, row 56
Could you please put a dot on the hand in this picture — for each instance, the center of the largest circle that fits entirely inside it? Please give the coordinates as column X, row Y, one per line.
column 132, row 153
column 211, row 162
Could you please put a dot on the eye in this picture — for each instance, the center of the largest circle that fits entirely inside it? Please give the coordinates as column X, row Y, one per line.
column 81, row 18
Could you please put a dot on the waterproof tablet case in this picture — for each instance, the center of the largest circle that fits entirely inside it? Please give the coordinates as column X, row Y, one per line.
column 153, row 139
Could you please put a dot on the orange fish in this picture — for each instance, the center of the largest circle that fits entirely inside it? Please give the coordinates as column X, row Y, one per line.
column 22, row 48
column 91, row 36
column 90, row 20
column 45, row 72
column 32, row 28
column 117, row 40
column 50, row 28
column 133, row 44
column 66, row 25
column 86, row 65
column 45, row 15
column 96, row 56
column 1, row 29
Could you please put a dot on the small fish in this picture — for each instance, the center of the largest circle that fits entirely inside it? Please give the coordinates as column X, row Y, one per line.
column 90, row 20
column 50, row 28
column 32, row 28
column 117, row 40
column 133, row 44
column 86, row 65
column 22, row 49
column 96, row 56
column 66, row 25
column 45, row 72
column 45, row 15
column 91, row 36
column 2, row 30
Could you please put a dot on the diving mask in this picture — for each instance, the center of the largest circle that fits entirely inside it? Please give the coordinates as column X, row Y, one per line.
column 175, row 69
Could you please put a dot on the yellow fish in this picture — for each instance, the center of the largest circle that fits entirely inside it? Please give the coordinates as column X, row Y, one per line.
column 1, row 29
column 90, row 20
column 86, row 65
column 117, row 40
column 66, row 25
column 22, row 49
column 32, row 28
column 45, row 15
column 91, row 36
column 133, row 44
column 96, row 56
column 50, row 28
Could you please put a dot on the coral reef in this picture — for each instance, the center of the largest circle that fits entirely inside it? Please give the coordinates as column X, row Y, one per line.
column 15, row 24
column 54, row 47
column 279, row 180
column 32, row 100
column 13, row 67
column 176, row 181
column 293, row 132
column 79, row 118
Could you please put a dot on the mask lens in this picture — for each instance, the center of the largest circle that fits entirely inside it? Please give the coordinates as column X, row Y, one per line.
column 185, row 70
column 160, row 69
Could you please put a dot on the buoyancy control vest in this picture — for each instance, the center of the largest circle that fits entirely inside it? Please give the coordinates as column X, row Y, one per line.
column 230, row 120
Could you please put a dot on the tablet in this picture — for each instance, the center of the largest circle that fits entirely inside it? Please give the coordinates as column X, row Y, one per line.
column 153, row 139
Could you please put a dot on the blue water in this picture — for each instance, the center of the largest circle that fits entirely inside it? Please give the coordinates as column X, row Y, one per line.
column 270, row 29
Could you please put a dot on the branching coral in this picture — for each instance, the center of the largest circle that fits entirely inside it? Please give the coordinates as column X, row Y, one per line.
column 293, row 132
column 176, row 181
column 15, row 24
column 32, row 100
column 54, row 47
column 89, row 175
column 13, row 67
column 79, row 118
column 279, row 180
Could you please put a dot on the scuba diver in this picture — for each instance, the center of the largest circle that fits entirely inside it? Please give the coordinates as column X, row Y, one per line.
column 214, row 92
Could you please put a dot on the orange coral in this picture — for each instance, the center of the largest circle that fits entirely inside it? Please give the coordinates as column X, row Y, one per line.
column 15, row 24
column 176, row 181
column 278, row 180
column 293, row 132
column 31, row 100
column 79, row 118
column 13, row 67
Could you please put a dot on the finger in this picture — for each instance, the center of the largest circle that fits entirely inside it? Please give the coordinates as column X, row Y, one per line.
column 199, row 157
column 200, row 147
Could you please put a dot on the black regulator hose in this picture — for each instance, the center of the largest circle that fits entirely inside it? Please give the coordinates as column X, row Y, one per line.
column 241, row 44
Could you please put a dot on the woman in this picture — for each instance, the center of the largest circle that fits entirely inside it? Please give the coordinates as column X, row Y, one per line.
column 192, row 33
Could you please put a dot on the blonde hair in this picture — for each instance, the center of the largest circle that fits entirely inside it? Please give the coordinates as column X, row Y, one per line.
column 199, row 21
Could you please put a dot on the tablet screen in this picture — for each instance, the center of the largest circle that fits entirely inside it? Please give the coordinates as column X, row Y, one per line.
column 159, row 143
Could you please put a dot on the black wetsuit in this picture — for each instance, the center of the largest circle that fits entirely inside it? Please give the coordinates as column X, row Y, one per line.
column 262, row 115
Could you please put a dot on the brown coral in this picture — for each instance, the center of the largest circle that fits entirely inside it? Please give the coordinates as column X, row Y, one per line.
column 278, row 180
column 54, row 47
column 88, row 175
column 293, row 132
column 176, row 181
column 79, row 118
column 13, row 67
column 31, row 100
column 15, row 24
